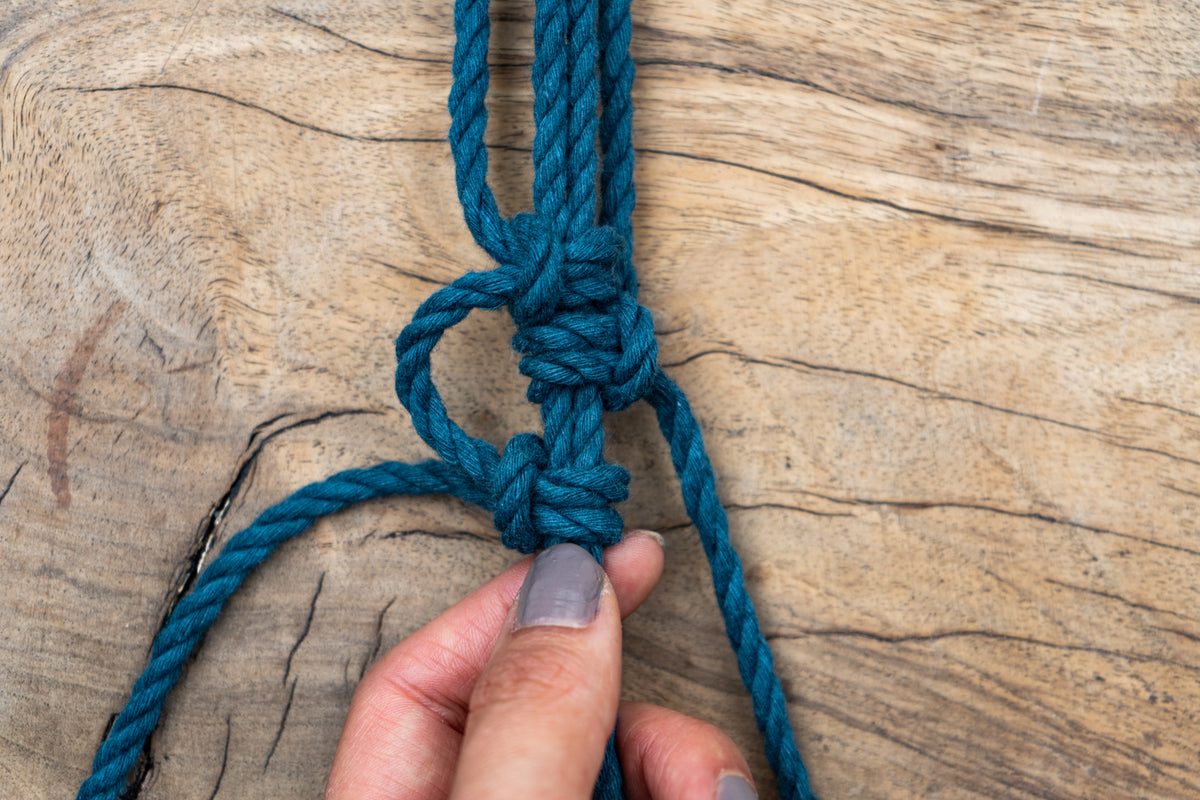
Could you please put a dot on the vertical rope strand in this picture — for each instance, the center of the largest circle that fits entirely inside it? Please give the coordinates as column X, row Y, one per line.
column 551, row 110
column 568, row 281
column 755, row 662
column 617, row 196
column 468, row 115
column 582, row 159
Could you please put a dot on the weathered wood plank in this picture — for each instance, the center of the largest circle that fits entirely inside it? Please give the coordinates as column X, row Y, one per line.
column 929, row 271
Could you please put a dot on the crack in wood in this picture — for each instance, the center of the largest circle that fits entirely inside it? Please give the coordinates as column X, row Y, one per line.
column 243, row 476
column 783, row 507
column 1154, row 451
column 11, row 478
column 966, row 222
column 981, row 633
column 804, row 82
column 287, row 708
column 1117, row 597
column 1185, row 298
column 312, row 610
column 785, row 362
column 378, row 642
column 1183, row 634
column 927, row 505
column 1175, row 488
column 1163, row 406
column 409, row 273
column 254, row 107
column 142, row 767
column 457, row 536
column 224, row 758
column 352, row 42
column 155, row 346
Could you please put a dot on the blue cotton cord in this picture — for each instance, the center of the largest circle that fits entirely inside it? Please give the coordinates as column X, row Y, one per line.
column 755, row 662
column 199, row 608
column 565, row 273
column 617, row 196
column 468, row 121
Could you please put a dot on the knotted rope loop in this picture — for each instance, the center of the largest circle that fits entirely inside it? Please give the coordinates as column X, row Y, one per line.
column 549, row 275
column 538, row 505
column 578, row 331
column 574, row 324
column 612, row 349
column 566, row 275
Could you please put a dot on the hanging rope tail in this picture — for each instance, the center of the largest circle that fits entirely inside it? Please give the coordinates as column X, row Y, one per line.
column 565, row 273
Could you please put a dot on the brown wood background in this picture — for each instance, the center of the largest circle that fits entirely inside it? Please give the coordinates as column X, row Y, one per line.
column 930, row 272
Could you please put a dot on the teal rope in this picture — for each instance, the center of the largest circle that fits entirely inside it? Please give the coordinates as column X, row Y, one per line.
column 200, row 607
column 566, row 275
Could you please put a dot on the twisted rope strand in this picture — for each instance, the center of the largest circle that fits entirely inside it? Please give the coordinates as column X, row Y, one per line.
column 197, row 611
column 588, row 347
column 582, row 96
column 617, row 196
column 551, row 108
column 755, row 662
column 468, row 123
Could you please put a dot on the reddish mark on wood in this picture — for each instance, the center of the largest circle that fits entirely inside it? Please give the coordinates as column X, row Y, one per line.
column 63, row 403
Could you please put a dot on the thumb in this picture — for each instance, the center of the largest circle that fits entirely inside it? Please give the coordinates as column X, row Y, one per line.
column 543, row 708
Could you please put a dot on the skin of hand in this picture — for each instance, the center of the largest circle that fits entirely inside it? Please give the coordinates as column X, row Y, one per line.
column 513, row 693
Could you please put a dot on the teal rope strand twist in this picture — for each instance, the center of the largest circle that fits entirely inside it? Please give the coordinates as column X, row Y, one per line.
column 566, row 275
column 200, row 607
column 755, row 662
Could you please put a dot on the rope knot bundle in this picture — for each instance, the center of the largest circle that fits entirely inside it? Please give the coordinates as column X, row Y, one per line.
column 575, row 325
column 612, row 349
column 566, row 275
column 579, row 332
column 538, row 506
column 549, row 275
column 588, row 347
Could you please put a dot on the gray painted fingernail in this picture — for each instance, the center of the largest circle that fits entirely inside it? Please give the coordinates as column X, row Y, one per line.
column 735, row 787
column 562, row 588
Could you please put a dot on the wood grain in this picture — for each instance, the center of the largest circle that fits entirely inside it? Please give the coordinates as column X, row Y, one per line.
column 929, row 271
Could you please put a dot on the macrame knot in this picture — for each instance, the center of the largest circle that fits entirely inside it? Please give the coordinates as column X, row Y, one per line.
column 575, row 326
column 589, row 346
column 537, row 505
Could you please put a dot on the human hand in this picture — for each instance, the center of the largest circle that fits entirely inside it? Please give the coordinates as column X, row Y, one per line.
column 499, row 699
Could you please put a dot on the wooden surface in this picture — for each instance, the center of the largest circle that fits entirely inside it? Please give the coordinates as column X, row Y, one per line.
column 930, row 272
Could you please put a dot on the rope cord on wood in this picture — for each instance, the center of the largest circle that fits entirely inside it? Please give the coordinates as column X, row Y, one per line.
column 565, row 273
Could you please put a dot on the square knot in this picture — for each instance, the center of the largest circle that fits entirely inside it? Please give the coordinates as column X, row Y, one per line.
column 537, row 506
column 548, row 276
column 574, row 325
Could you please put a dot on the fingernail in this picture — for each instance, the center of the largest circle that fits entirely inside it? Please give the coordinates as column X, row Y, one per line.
column 562, row 588
column 658, row 537
column 735, row 787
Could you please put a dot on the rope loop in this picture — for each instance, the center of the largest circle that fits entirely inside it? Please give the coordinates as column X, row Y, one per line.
column 579, row 333
column 566, row 275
